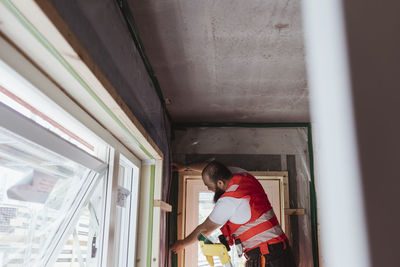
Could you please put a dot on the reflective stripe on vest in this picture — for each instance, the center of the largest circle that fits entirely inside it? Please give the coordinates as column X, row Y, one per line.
column 263, row 237
column 259, row 231
column 263, row 218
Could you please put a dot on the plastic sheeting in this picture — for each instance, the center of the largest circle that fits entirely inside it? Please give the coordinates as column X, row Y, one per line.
column 259, row 149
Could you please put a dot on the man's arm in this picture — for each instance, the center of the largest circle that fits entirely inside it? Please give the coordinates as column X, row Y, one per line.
column 197, row 167
column 205, row 228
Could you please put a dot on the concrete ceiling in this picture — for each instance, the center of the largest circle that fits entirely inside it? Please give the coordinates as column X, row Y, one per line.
column 227, row 60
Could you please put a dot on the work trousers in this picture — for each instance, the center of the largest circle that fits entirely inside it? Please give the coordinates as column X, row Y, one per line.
column 280, row 255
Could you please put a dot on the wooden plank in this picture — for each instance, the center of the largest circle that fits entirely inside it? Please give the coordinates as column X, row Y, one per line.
column 294, row 211
column 181, row 215
column 183, row 177
column 163, row 205
column 278, row 174
column 286, row 205
column 143, row 217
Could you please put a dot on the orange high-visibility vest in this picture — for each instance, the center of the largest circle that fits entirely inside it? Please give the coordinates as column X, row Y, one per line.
column 263, row 227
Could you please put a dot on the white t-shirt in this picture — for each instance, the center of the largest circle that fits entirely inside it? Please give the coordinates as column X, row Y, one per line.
column 229, row 208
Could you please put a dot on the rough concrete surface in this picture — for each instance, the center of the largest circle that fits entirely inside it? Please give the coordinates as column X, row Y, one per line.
column 227, row 60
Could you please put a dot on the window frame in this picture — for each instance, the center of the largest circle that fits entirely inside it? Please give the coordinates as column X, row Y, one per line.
column 22, row 126
column 19, row 124
column 134, row 174
column 30, row 130
column 62, row 83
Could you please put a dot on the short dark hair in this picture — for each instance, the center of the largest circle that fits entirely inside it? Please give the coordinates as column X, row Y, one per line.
column 217, row 171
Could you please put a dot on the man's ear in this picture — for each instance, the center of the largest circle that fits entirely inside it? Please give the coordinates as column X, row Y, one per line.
column 220, row 184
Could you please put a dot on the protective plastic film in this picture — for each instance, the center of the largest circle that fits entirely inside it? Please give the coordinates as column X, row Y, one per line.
column 259, row 149
column 38, row 194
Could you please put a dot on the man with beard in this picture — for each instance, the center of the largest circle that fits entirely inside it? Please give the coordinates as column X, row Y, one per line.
column 246, row 216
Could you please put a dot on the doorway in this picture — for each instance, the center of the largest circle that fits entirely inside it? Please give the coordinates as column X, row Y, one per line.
column 196, row 203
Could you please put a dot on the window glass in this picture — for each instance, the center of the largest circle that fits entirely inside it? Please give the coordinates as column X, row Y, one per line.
column 206, row 205
column 39, row 192
column 74, row 252
column 82, row 246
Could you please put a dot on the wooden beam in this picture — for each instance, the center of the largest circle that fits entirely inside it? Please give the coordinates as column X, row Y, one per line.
column 163, row 205
column 294, row 211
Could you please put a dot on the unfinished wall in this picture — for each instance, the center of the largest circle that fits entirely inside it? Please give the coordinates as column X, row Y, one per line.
column 102, row 30
column 258, row 149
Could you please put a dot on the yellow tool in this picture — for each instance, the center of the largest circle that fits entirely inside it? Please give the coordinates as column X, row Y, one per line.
column 219, row 250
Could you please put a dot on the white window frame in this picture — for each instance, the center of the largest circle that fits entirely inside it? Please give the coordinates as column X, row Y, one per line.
column 27, row 27
column 108, row 251
column 28, row 129
column 33, row 132
column 133, row 173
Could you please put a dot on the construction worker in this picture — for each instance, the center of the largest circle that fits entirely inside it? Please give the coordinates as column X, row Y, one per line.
column 243, row 210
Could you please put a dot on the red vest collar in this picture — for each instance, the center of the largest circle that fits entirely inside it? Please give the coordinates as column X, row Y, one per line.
column 234, row 180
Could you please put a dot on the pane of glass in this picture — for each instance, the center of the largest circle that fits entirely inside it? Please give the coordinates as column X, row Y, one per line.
column 82, row 246
column 74, row 253
column 38, row 191
column 206, row 205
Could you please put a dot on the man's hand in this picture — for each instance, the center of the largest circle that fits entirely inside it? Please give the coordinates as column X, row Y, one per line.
column 178, row 246
column 178, row 167
column 197, row 167
column 205, row 228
